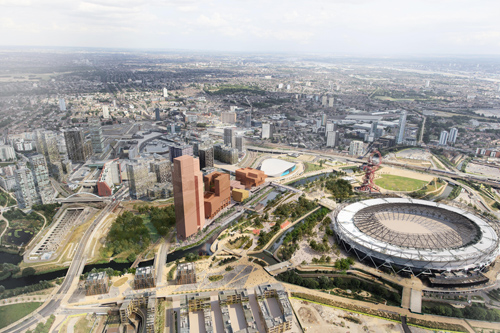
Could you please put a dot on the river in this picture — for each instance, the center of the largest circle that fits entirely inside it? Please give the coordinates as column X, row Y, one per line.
column 302, row 181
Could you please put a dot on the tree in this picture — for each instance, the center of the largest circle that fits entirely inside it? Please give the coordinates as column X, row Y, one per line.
column 28, row 271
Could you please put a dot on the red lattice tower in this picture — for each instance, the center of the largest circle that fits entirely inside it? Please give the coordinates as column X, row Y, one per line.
column 370, row 168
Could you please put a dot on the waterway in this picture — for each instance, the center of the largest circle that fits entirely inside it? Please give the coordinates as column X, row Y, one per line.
column 446, row 192
column 271, row 196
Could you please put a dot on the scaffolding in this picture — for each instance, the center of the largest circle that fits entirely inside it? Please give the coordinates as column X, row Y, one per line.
column 186, row 273
column 144, row 278
column 97, row 283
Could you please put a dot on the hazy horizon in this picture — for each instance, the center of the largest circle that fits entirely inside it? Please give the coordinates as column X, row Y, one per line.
column 338, row 27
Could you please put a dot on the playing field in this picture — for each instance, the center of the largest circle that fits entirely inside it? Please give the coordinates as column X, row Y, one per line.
column 398, row 183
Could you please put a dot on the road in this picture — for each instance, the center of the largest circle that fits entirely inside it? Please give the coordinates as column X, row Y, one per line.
column 73, row 274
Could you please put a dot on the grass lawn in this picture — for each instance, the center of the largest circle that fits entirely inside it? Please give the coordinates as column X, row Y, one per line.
column 120, row 282
column 13, row 312
column 309, row 167
column 398, row 183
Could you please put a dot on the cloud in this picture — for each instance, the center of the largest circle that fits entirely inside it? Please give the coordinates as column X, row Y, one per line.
column 428, row 26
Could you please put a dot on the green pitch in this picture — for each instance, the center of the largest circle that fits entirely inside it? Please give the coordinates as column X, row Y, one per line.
column 398, row 183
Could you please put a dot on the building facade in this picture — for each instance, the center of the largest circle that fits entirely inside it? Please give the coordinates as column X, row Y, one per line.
column 217, row 193
column 79, row 151
column 188, row 196
column 96, row 136
column 206, row 155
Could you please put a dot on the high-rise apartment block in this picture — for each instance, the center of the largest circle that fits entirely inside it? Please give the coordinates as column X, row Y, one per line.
column 180, row 150
column 225, row 154
column 443, row 138
column 33, row 185
column 323, row 119
column 356, row 148
column 140, row 179
column 79, row 150
column 7, row 153
column 165, row 92
column 330, row 102
column 452, row 138
column 324, row 100
column 96, row 135
column 96, row 284
column 229, row 137
column 188, row 196
column 248, row 120
column 41, row 177
column 105, row 112
column 240, row 143
column 161, row 168
column 26, row 193
column 157, row 114
column 46, row 144
column 401, row 129
column 228, row 117
column 332, row 138
column 267, row 131
column 330, row 127
column 62, row 104
column 206, row 155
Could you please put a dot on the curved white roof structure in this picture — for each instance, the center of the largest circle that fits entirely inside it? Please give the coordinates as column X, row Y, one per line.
column 417, row 235
column 273, row 167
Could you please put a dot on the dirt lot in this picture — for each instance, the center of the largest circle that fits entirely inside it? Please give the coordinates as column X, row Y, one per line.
column 324, row 319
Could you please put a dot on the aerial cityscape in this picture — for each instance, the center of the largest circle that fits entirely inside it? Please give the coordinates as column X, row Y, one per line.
column 246, row 189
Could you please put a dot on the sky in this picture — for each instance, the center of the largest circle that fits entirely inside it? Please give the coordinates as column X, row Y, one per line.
column 341, row 27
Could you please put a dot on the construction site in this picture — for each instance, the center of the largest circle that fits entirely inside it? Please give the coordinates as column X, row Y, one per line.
column 56, row 237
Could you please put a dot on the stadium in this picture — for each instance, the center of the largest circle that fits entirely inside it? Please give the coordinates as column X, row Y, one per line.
column 416, row 236
column 273, row 167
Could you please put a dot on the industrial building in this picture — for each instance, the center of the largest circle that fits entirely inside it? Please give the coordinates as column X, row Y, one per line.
column 97, row 283
column 218, row 193
column 144, row 277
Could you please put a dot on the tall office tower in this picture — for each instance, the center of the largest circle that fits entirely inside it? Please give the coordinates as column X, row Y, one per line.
column 105, row 112
column 180, row 150
column 7, row 153
column 229, row 136
column 140, row 179
column 157, row 114
column 452, row 138
column 373, row 128
column 248, row 120
column 267, row 131
column 330, row 101
column 172, row 128
column 401, row 130
column 46, row 144
column 206, row 155
column 356, row 148
column 188, row 196
column 165, row 92
column 26, row 194
column 78, row 151
column 41, row 179
column 96, row 135
column 62, row 104
column 323, row 119
column 240, row 143
column 218, row 193
column 161, row 167
column 324, row 100
column 427, row 83
column 228, row 117
column 332, row 138
column 443, row 138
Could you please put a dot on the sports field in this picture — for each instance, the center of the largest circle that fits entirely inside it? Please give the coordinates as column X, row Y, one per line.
column 398, row 183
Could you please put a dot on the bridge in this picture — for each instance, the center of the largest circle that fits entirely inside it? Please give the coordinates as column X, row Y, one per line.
column 83, row 197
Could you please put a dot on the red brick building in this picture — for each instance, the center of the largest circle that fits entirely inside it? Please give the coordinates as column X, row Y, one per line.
column 217, row 193
column 250, row 177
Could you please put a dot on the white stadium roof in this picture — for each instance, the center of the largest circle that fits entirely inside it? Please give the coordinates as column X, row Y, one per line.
column 274, row 168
